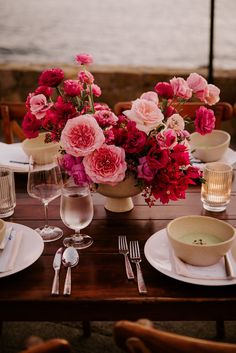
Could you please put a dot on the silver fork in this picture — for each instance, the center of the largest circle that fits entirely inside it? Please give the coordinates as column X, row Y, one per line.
column 124, row 250
column 136, row 258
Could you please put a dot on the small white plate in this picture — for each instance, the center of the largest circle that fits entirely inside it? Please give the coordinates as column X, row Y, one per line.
column 30, row 250
column 156, row 251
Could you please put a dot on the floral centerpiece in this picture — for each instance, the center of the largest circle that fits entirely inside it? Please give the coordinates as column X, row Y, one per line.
column 149, row 141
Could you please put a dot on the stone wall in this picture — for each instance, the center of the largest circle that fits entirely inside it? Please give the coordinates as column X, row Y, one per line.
column 117, row 83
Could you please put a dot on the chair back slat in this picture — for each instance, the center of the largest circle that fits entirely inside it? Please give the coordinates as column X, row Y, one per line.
column 11, row 115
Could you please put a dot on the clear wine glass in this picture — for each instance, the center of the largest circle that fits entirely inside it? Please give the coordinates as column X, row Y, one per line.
column 44, row 183
column 76, row 213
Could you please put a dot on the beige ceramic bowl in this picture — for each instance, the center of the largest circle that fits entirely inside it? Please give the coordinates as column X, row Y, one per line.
column 210, row 147
column 200, row 240
column 41, row 152
column 2, row 229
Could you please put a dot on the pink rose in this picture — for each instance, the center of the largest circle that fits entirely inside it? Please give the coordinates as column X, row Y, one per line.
column 165, row 90
column 204, row 121
column 51, row 78
column 82, row 135
column 85, row 77
column 106, row 165
column 146, row 114
column 84, row 59
column 213, row 95
column 72, row 88
column 180, row 88
column 150, row 96
column 175, row 122
column 39, row 105
column 144, row 171
column 198, row 84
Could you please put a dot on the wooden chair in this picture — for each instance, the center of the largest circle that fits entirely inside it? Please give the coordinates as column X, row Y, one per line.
column 223, row 110
column 135, row 338
column 11, row 115
column 56, row 345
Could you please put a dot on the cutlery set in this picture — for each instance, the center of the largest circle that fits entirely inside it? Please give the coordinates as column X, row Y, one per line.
column 135, row 257
column 69, row 258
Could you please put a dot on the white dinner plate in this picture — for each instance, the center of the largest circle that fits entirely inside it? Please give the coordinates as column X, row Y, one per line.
column 156, row 251
column 31, row 248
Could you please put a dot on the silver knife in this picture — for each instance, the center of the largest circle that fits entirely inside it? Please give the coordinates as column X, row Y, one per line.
column 56, row 266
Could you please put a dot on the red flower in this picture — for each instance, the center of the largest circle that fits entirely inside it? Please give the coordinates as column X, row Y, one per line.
column 31, row 125
column 135, row 141
column 51, row 78
column 165, row 90
column 46, row 91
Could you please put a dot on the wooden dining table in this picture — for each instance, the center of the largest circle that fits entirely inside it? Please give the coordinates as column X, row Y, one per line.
column 100, row 289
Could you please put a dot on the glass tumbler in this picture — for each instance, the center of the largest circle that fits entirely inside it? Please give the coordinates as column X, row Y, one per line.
column 216, row 191
column 7, row 192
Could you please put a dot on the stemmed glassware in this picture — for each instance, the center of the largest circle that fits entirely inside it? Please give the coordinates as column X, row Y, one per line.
column 44, row 183
column 76, row 213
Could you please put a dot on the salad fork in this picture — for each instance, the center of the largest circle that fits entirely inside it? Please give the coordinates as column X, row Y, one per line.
column 135, row 257
column 124, row 250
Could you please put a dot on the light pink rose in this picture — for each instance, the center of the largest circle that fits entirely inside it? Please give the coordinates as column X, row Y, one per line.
column 39, row 105
column 213, row 95
column 180, row 88
column 106, row 165
column 82, row 135
column 198, row 84
column 150, row 96
column 175, row 122
column 146, row 114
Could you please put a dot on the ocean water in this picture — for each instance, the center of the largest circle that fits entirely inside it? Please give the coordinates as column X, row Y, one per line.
column 153, row 33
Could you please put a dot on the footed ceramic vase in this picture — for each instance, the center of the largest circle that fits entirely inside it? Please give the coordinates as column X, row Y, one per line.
column 119, row 197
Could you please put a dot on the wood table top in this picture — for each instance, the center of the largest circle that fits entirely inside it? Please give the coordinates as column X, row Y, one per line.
column 100, row 289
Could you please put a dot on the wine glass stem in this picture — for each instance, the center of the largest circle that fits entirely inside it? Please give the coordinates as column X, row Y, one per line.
column 77, row 235
column 46, row 214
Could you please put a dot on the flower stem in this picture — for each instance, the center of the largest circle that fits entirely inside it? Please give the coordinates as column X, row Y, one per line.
column 91, row 99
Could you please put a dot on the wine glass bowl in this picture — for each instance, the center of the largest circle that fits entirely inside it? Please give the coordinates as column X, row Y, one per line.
column 76, row 212
column 44, row 184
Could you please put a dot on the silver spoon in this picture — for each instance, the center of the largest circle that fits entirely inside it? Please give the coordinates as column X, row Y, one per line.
column 70, row 258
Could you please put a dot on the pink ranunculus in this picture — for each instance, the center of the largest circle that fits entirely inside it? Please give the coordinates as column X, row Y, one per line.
column 144, row 171
column 67, row 161
column 39, row 105
column 105, row 118
column 72, row 88
column 150, row 96
column 86, row 77
column 164, row 89
column 82, row 135
column 180, row 88
column 96, row 90
column 213, row 95
column 146, row 114
column 198, row 84
column 175, row 122
column 51, row 78
column 205, row 120
column 106, row 165
column 84, row 59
